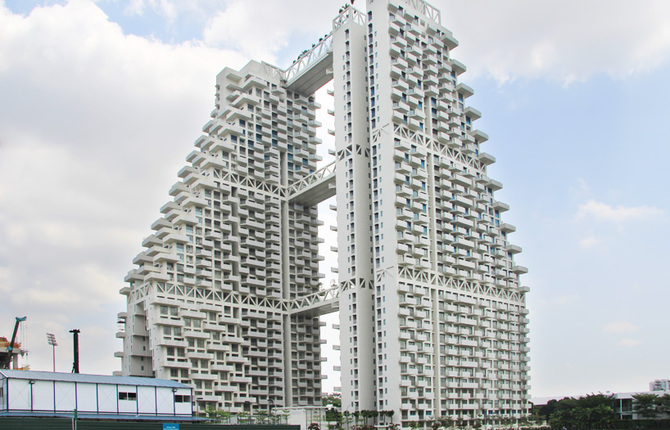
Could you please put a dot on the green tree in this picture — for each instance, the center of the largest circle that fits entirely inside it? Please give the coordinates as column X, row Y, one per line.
column 414, row 424
column 590, row 412
column 663, row 404
column 601, row 416
column 385, row 418
column 244, row 417
column 644, row 404
column 333, row 415
column 347, row 419
column 211, row 411
column 262, row 416
column 224, row 416
column 368, row 415
column 443, row 421
column 334, row 399
column 356, row 415
column 545, row 411
column 285, row 414
column 365, row 414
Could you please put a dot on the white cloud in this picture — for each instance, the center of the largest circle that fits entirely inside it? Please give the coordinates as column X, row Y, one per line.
column 565, row 41
column 562, row 40
column 261, row 28
column 604, row 212
column 589, row 242
column 93, row 125
column 135, row 7
column 566, row 299
column 233, row 27
column 581, row 188
column 620, row 327
column 167, row 9
column 627, row 342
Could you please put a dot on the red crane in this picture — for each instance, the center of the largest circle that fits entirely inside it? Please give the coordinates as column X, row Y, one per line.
column 8, row 360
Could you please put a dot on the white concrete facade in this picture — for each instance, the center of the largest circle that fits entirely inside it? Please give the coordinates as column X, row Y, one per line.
column 209, row 303
column 432, row 314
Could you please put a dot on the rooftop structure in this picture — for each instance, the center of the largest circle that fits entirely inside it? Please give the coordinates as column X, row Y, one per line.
column 433, row 320
column 659, row 385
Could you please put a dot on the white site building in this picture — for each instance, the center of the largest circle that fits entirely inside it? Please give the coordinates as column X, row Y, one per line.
column 31, row 393
column 433, row 319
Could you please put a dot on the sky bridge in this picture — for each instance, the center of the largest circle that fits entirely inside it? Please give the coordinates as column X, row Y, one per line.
column 315, row 188
column 320, row 303
column 313, row 68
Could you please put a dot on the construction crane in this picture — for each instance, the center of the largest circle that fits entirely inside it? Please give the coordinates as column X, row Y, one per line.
column 10, row 348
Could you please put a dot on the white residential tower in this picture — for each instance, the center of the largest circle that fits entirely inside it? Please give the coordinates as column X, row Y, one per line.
column 227, row 295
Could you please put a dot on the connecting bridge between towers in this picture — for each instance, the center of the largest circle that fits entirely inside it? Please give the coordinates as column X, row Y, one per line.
column 312, row 70
column 315, row 188
column 314, row 67
column 310, row 191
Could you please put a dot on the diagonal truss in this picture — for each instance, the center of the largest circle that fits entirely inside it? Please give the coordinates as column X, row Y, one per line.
column 432, row 278
column 349, row 14
column 321, row 182
column 319, row 303
column 426, row 9
column 308, row 58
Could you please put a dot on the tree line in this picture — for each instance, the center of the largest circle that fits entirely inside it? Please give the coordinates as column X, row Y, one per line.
column 602, row 411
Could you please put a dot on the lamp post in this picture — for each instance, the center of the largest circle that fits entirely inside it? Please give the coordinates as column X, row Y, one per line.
column 271, row 404
column 51, row 339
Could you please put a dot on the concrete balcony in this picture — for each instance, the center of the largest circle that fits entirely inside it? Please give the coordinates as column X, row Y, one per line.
column 520, row 269
column 157, row 277
column 449, row 40
column 500, row 206
column 486, row 159
column 464, row 90
column 473, row 113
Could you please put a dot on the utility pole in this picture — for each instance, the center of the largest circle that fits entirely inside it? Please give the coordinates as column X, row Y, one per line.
column 51, row 340
column 75, row 365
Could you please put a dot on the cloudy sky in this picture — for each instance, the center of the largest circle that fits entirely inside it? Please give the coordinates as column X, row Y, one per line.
column 100, row 102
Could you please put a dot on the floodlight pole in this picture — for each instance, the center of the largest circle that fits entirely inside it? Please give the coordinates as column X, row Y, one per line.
column 51, row 339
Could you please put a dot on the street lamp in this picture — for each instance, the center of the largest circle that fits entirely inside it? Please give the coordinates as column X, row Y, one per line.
column 51, row 339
